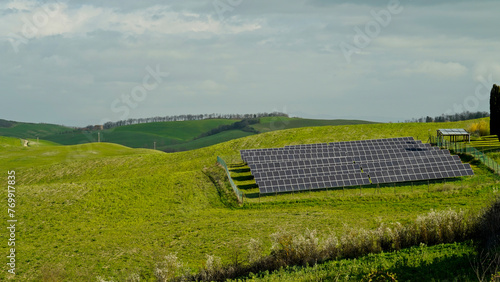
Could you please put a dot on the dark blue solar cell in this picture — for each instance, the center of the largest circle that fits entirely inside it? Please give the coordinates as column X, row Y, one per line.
column 395, row 159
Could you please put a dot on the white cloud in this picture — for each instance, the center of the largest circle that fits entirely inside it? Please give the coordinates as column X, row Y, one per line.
column 487, row 70
column 436, row 69
column 211, row 87
column 40, row 21
column 56, row 61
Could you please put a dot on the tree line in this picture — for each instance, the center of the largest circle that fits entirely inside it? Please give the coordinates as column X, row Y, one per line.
column 131, row 121
column 6, row 123
column 451, row 117
column 109, row 125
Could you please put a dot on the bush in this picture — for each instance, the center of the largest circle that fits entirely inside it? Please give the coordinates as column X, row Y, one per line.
column 289, row 249
column 481, row 128
column 380, row 275
column 168, row 269
column 255, row 250
column 488, row 231
column 495, row 277
column 485, row 264
column 213, row 269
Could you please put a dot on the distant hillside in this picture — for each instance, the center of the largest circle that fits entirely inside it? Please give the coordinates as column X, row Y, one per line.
column 188, row 135
column 169, row 136
column 279, row 123
column 29, row 130
column 6, row 123
column 165, row 134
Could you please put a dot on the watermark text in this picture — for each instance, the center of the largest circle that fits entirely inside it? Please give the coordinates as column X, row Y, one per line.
column 11, row 222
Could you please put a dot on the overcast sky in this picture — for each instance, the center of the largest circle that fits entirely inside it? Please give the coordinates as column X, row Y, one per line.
column 76, row 62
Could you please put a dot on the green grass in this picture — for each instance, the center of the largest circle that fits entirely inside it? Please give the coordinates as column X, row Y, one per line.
column 443, row 262
column 486, row 143
column 182, row 130
column 9, row 142
column 279, row 123
column 165, row 134
column 40, row 143
column 35, row 157
column 209, row 140
column 108, row 210
column 32, row 130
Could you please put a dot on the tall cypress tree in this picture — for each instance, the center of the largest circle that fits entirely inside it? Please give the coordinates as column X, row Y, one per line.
column 495, row 110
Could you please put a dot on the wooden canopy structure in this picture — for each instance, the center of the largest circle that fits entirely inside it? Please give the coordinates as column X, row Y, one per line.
column 455, row 134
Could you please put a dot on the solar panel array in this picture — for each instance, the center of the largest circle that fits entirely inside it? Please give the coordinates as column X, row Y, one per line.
column 344, row 164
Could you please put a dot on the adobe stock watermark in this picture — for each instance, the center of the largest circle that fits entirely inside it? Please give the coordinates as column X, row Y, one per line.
column 222, row 7
column 11, row 221
column 83, row 149
column 124, row 106
column 364, row 37
column 279, row 122
column 127, row 102
column 33, row 24
column 471, row 103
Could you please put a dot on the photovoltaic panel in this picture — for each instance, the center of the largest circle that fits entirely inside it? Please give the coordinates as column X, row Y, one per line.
column 350, row 163
column 254, row 167
column 419, row 173
column 307, row 171
column 289, row 157
column 453, row 131
column 313, row 182
column 400, row 163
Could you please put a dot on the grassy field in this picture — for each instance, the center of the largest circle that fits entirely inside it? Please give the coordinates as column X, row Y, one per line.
column 210, row 140
column 279, row 123
column 165, row 134
column 111, row 211
column 9, row 142
column 486, row 143
column 182, row 135
column 32, row 130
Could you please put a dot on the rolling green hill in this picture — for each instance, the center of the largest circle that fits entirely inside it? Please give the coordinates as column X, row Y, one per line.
column 165, row 134
column 9, row 142
column 106, row 210
column 278, row 123
column 30, row 130
column 183, row 135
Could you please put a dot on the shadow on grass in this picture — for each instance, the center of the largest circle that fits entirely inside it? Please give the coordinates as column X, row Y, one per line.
column 252, row 195
column 412, row 183
column 416, row 268
column 362, row 189
column 240, row 170
column 452, row 268
column 248, row 186
column 468, row 159
column 243, row 178
column 238, row 164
